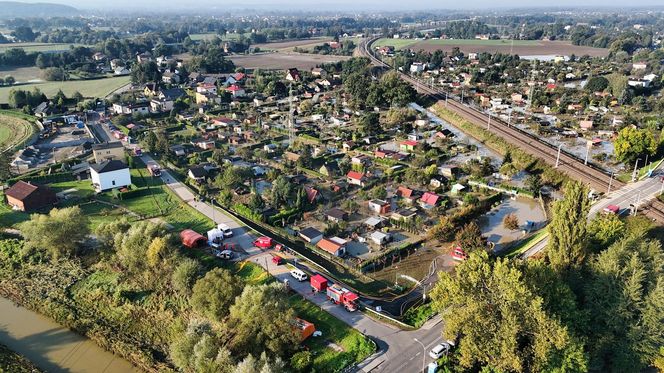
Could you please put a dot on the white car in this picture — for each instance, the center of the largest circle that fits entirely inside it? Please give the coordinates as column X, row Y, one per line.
column 441, row 350
column 228, row 232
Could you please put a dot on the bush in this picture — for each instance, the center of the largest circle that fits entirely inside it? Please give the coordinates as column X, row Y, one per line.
column 301, row 361
column 511, row 222
column 417, row 316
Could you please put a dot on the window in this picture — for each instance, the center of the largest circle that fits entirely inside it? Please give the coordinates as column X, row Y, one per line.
column 113, row 182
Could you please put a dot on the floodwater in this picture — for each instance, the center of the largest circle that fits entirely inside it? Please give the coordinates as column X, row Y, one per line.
column 52, row 347
column 526, row 209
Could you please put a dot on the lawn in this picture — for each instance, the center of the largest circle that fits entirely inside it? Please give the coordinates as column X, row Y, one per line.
column 21, row 74
column 396, row 43
column 336, row 333
column 38, row 47
column 14, row 129
column 88, row 88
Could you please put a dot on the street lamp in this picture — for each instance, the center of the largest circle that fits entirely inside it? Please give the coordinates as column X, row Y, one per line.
column 424, row 353
column 558, row 157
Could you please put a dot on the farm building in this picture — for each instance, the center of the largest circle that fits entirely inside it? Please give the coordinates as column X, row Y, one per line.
column 27, row 197
column 311, row 235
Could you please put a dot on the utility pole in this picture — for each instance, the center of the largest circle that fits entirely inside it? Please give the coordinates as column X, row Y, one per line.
column 509, row 118
column 488, row 123
column 634, row 173
column 558, row 157
column 611, row 179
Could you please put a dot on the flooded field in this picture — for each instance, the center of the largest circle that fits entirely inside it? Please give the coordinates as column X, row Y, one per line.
column 52, row 347
column 526, row 210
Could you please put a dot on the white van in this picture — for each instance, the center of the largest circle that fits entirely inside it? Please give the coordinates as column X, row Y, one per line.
column 228, row 232
column 298, row 275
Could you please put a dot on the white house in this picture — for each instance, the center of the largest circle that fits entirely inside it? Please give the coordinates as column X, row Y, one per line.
column 110, row 174
column 416, row 67
column 142, row 108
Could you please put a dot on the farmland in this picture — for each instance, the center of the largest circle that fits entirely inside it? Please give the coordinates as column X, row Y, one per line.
column 520, row 47
column 22, row 74
column 280, row 61
column 38, row 47
column 88, row 88
column 289, row 45
column 13, row 130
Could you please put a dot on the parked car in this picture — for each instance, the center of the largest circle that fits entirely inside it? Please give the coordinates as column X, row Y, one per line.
column 441, row 349
column 277, row 260
column 226, row 254
column 298, row 274
column 228, row 232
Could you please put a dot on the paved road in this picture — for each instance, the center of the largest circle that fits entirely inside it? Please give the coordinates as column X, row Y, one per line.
column 398, row 349
column 638, row 193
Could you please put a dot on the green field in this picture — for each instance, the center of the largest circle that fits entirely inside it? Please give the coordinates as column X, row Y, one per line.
column 38, row 47
column 88, row 88
column 14, row 129
column 404, row 43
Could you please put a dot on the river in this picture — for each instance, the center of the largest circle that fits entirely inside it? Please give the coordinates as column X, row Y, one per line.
column 52, row 347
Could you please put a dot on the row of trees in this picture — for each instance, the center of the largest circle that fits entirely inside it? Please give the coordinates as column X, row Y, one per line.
column 594, row 304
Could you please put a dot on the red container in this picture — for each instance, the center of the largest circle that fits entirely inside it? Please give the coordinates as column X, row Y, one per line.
column 263, row 242
column 318, row 283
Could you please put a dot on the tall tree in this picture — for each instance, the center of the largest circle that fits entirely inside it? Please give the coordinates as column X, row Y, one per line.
column 568, row 228
column 500, row 322
column 625, row 296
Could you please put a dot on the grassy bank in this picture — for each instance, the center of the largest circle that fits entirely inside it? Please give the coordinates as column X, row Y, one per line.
column 11, row 362
column 14, row 129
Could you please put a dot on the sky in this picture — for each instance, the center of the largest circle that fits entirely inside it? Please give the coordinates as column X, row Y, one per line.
column 346, row 5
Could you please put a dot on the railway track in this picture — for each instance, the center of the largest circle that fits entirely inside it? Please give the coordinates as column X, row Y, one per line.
column 594, row 176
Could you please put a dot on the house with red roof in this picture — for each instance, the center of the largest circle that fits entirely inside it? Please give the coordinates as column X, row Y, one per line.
column 356, row 178
column 408, row 145
column 236, row 91
column 429, row 200
column 332, row 247
column 408, row 195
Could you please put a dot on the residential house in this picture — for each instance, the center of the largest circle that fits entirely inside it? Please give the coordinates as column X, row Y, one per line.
column 143, row 57
column 449, row 171
column 121, row 71
column 586, row 124
column 379, row 206
column 204, row 144
column 457, row 188
column 140, row 108
column 178, row 150
column 206, row 88
column 444, row 134
column 197, row 173
column 171, row 77
column 161, row 106
column 293, row 75
column 25, row 196
column 319, row 72
column 417, row 67
column 110, row 174
column 429, row 200
column 405, row 214
column 207, row 98
column 336, row 215
column 311, row 235
column 332, row 246
column 236, row 91
column 408, row 145
column 375, row 222
column 408, row 195
column 329, row 169
column 639, row 66
column 380, row 238
column 151, row 89
column 356, row 178
column 108, row 150
column 171, row 94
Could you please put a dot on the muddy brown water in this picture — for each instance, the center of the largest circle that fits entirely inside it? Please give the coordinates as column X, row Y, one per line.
column 53, row 347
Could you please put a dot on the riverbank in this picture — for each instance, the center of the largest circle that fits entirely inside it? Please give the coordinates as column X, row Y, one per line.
column 10, row 361
column 52, row 347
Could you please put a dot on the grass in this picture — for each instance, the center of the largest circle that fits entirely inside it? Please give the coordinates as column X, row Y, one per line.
column 626, row 176
column 404, row 43
column 527, row 244
column 356, row 347
column 21, row 74
column 38, row 47
column 14, row 130
column 88, row 88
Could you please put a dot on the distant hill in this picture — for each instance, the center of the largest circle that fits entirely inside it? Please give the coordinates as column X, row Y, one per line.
column 13, row 9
